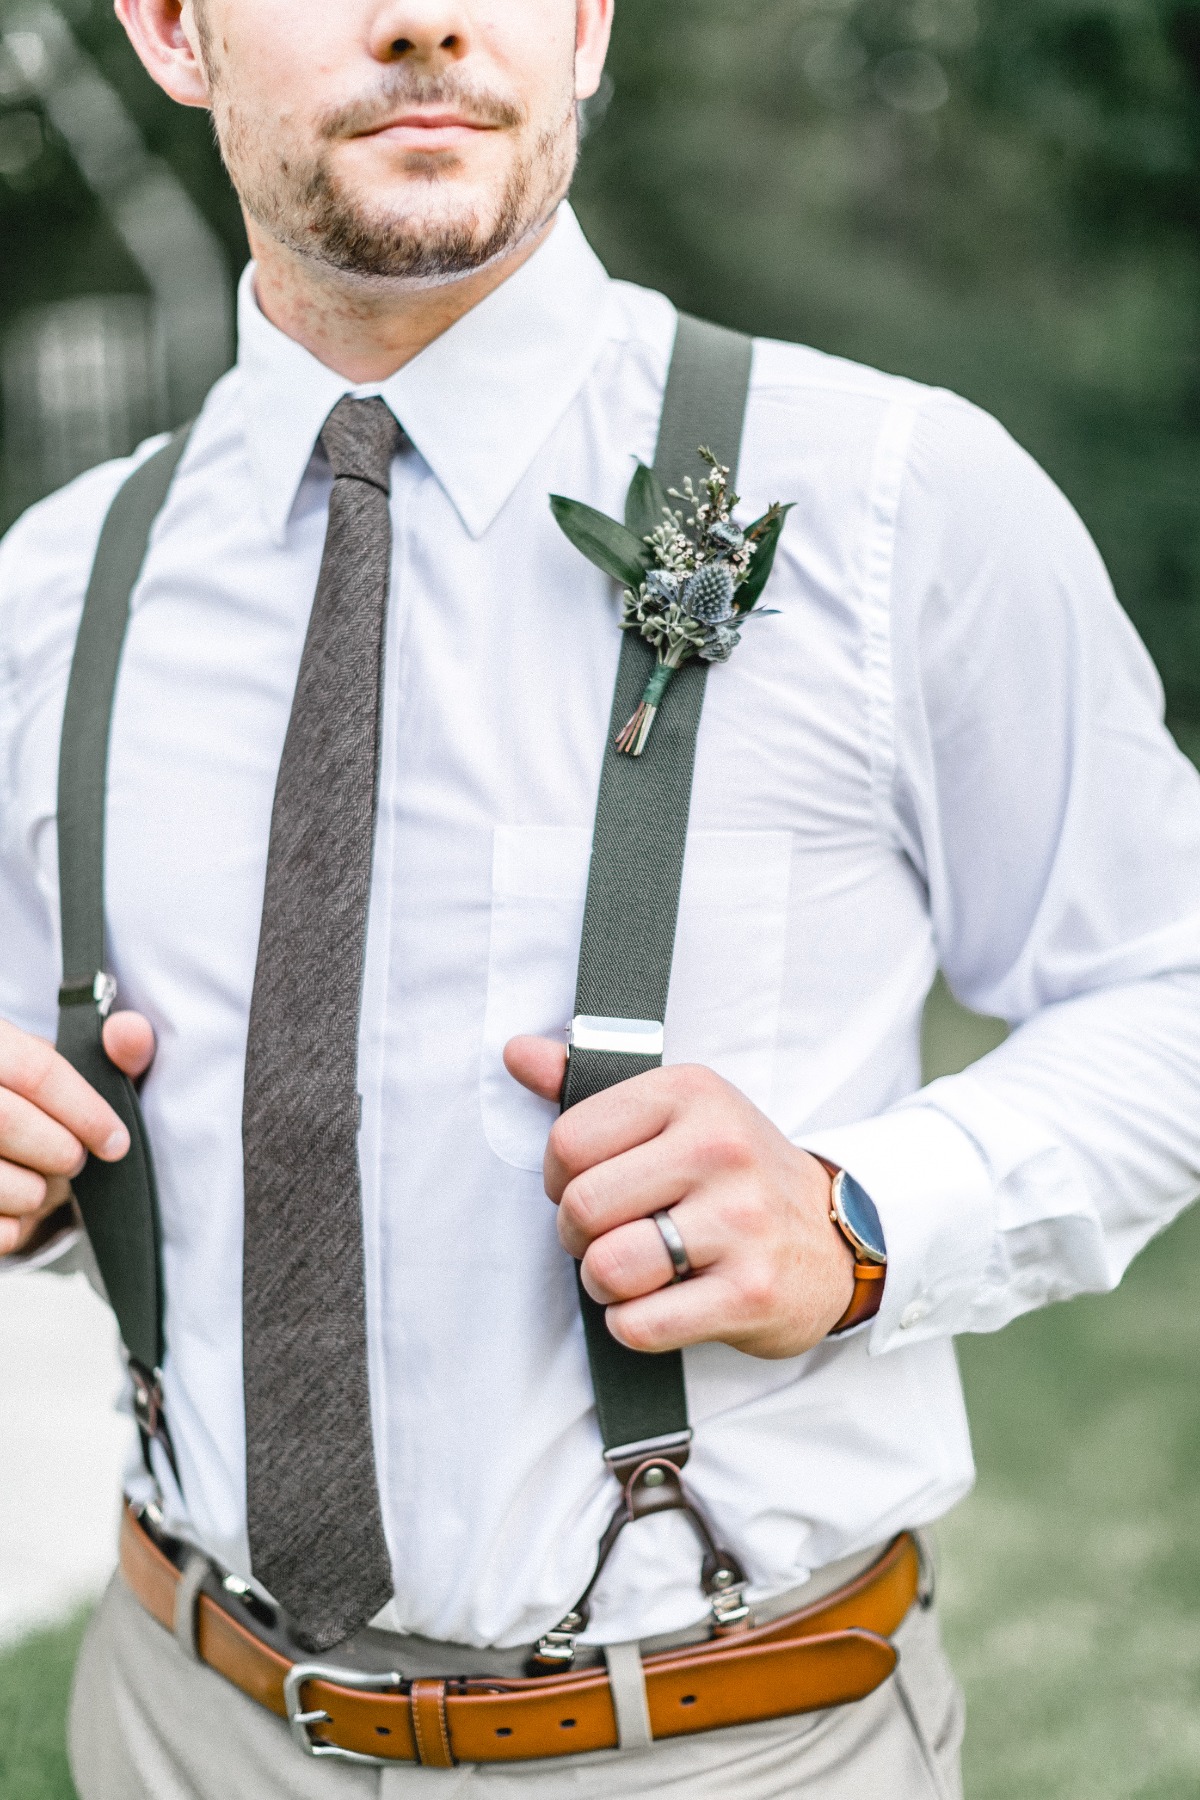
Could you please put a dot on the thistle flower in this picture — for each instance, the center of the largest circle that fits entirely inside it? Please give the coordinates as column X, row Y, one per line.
column 690, row 574
column 721, row 645
column 708, row 596
column 726, row 535
column 662, row 585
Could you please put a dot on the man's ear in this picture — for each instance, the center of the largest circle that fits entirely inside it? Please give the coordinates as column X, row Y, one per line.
column 168, row 38
column 593, row 28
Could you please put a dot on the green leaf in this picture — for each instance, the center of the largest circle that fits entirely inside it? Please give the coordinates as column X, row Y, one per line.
column 767, row 531
column 646, row 503
column 609, row 545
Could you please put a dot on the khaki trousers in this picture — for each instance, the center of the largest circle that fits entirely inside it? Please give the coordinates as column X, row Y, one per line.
column 148, row 1724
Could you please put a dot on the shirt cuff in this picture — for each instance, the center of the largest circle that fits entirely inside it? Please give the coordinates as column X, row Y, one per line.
column 56, row 1245
column 933, row 1191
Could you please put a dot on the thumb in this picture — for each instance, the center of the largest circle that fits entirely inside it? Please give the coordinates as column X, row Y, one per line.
column 539, row 1064
column 129, row 1041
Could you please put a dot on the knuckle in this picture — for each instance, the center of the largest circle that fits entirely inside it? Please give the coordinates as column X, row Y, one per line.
column 742, row 1211
column 726, row 1146
column 36, row 1061
column 609, row 1264
column 565, row 1141
column 693, row 1083
column 755, row 1289
column 65, row 1159
column 581, row 1204
column 638, row 1333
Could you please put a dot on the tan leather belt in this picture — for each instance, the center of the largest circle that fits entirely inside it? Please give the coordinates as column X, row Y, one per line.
column 827, row 1654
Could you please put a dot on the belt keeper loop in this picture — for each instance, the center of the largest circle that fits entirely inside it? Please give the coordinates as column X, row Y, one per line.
column 627, row 1684
column 431, row 1731
column 187, row 1596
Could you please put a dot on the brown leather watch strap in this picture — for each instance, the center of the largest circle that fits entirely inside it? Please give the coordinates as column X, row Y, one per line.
column 828, row 1654
column 866, row 1299
column 869, row 1277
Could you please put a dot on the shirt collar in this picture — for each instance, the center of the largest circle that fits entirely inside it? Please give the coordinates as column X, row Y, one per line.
column 478, row 403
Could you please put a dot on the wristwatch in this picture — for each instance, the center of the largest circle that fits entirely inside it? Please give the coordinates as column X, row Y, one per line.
column 853, row 1212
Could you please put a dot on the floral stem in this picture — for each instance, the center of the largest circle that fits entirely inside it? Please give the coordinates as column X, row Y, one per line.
column 635, row 733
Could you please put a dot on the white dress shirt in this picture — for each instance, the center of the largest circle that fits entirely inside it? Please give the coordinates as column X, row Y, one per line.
column 946, row 747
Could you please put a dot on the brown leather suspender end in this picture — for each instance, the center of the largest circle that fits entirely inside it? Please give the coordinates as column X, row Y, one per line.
column 827, row 1654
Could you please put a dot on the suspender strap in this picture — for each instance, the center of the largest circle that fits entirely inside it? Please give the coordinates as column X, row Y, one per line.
column 637, row 858
column 629, row 921
column 118, row 1201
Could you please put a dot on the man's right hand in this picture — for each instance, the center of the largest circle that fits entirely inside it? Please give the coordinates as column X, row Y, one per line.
column 50, row 1119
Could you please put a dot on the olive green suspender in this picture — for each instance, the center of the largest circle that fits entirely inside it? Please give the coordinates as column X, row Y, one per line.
column 624, row 967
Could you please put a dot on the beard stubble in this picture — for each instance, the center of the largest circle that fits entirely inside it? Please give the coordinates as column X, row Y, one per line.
column 313, row 212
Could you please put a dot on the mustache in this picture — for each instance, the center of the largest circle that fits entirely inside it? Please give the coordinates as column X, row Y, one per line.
column 404, row 88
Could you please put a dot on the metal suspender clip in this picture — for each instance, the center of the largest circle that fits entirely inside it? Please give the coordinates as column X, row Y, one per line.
column 99, row 990
column 651, row 1482
column 151, row 1420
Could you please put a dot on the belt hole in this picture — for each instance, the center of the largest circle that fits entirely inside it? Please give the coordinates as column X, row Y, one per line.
column 566, row 1724
column 687, row 1700
column 383, row 1731
column 504, row 1731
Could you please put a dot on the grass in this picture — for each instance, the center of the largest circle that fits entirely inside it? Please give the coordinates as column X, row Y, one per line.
column 1070, row 1579
column 1072, row 1575
column 34, row 1681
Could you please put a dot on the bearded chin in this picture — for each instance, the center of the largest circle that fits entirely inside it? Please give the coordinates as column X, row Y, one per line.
column 347, row 235
column 323, row 221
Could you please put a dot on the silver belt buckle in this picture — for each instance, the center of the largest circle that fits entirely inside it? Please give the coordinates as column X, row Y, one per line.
column 302, row 1722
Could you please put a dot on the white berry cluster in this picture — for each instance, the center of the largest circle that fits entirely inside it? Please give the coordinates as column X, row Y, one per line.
column 686, row 605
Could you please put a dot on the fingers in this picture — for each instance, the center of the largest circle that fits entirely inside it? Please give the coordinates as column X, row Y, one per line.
column 32, row 1070
column 539, row 1064
column 25, row 1200
column 32, row 1138
column 633, row 1260
column 16, row 1185
column 690, row 1312
column 129, row 1042
column 22, row 1191
column 627, row 1263
column 622, row 1117
column 647, row 1179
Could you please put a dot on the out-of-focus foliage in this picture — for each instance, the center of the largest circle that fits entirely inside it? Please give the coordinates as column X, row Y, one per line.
column 1002, row 196
column 54, row 239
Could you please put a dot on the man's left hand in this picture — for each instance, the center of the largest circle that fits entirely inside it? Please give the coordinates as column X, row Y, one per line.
column 773, row 1274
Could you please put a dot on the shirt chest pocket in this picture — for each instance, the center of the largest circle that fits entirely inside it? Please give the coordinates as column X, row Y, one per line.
column 726, row 979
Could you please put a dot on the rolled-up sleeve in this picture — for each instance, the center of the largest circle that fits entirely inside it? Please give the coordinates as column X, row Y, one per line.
column 1056, row 827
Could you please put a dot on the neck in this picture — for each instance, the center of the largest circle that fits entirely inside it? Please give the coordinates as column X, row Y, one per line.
column 365, row 330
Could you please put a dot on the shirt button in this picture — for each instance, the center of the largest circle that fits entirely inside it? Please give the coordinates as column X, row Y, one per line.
column 913, row 1314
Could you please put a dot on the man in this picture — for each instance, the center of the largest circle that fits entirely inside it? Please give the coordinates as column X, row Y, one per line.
column 946, row 743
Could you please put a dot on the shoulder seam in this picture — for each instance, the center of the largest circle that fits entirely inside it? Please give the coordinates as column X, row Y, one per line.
column 889, row 472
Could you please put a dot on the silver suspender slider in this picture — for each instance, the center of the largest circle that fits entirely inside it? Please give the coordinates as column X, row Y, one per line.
column 98, row 990
column 616, row 1037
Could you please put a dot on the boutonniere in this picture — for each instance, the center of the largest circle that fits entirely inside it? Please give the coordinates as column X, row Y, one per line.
column 692, row 576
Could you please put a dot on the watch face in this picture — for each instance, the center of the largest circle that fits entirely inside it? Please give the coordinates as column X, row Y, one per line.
column 856, row 1210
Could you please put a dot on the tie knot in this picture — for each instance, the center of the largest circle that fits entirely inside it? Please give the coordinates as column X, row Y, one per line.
column 360, row 438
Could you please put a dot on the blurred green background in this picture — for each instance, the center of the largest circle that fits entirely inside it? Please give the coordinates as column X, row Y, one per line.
column 999, row 196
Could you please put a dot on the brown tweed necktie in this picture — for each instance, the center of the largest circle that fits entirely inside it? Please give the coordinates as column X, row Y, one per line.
column 316, row 1530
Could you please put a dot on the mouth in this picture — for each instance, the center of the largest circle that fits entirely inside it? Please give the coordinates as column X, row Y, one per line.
column 421, row 130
